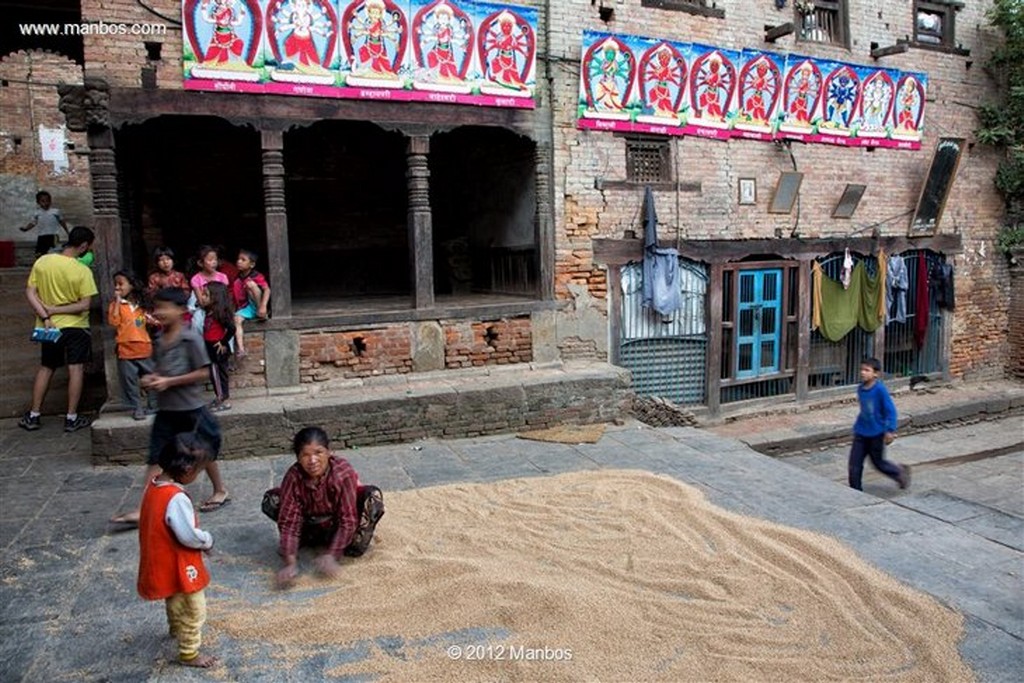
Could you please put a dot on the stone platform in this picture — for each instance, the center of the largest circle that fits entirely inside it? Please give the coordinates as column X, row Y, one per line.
column 391, row 409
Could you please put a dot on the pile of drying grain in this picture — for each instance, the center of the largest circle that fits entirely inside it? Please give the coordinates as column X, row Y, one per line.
column 608, row 575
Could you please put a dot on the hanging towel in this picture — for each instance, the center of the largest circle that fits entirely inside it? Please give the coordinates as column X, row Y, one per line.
column 922, row 303
column 896, row 285
column 844, row 277
column 662, row 286
column 883, row 275
column 836, row 311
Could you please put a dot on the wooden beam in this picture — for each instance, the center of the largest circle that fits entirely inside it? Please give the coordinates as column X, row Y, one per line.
column 773, row 33
column 621, row 251
column 899, row 48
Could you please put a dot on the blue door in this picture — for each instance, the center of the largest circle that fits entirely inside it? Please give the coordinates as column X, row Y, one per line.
column 759, row 318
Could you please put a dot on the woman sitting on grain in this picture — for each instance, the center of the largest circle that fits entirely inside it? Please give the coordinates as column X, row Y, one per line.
column 320, row 503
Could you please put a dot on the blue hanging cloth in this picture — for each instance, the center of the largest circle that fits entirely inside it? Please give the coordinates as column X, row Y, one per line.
column 661, row 290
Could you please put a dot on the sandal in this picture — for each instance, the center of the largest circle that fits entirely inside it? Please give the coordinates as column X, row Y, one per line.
column 211, row 505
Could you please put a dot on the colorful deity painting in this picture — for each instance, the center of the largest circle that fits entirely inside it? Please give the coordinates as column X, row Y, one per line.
column 842, row 97
column 225, row 37
column 760, row 90
column 908, row 108
column 712, row 86
column 609, row 68
column 802, row 89
column 875, row 112
column 507, row 46
column 662, row 83
column 302, row 35
column 374, row 34
column 443, row 45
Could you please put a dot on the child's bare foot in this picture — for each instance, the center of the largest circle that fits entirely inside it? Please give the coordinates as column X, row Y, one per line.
column 200, row 662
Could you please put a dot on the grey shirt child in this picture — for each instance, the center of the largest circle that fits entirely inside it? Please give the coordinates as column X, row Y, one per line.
column 185, row 354
column 48, row 222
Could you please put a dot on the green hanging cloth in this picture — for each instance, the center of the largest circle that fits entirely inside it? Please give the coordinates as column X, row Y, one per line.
column 838, row 311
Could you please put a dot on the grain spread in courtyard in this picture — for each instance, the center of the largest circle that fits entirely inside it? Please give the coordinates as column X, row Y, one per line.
column 610, row 575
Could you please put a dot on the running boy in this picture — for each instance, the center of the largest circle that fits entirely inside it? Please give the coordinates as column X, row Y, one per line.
column 875, row 427
column 182, row 367
column 251, row 293
column 171, row 566
column 49, row 221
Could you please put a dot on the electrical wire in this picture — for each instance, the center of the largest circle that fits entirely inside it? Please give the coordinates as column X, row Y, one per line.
column 152, row 11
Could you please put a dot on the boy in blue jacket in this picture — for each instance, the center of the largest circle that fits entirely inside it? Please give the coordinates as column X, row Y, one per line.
column 875, row 427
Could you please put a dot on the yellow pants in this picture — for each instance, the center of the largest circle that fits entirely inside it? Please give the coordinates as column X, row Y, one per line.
column 186, row 614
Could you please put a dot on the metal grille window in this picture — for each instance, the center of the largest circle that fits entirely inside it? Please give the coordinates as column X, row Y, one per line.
column 822, row 21
column 836, row 364
column 648, row 160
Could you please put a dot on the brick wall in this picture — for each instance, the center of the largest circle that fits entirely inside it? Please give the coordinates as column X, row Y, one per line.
column 360, row 353
column 28, row 100
column 893, row 177
column 251, row 372
column 491, row 342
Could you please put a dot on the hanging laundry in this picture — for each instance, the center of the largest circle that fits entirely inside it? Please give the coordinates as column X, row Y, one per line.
column 922, row 302
column 836, row 311
column 943, row 294
column 844, row 277
column 662, row 286
column 883, row 275
column 896, row 285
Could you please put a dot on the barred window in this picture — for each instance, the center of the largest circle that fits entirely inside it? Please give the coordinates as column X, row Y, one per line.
column 704, row 8
column 648, row 160
column 822, row 21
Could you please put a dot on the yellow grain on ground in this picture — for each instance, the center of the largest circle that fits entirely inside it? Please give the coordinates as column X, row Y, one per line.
column 610, row 576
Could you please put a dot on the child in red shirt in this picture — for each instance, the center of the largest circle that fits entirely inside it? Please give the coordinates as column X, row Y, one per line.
column 218, row 330
column 171, row 544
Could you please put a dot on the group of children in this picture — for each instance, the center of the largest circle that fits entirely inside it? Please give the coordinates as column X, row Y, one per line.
column 220, row 298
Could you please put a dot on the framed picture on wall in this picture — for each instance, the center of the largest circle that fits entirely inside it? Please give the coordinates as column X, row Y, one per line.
column 748, row 191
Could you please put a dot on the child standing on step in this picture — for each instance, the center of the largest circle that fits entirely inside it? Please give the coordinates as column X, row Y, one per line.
column 206, row 272
column 171, row 545
column 875, row 428
column 127, row 314
column 218, row 329
column 165, row 275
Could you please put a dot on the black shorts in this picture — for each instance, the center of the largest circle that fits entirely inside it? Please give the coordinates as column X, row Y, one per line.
column 73, row 348
column 44, row 243
column 170, row 423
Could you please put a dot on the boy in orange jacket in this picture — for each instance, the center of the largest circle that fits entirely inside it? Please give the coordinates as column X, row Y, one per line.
column 171, row 546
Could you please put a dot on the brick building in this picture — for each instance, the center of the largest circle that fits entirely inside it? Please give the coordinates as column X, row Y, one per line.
column 408, row 236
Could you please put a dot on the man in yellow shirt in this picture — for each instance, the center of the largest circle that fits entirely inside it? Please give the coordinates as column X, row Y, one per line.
column 60, row 290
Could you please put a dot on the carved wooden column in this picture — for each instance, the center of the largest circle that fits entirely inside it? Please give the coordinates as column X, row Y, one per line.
column 545, row 235
column 421, row 240
column 86, row 107
column 277, row 222
column 713, row 378
column 803, row 329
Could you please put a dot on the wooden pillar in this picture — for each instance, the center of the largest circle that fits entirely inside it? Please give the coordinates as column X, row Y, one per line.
column 803, row 330
column 109, row 245
column 272, row 142
column 615, row 313
column 545, row 222
column 714, row 370
column 420, row 222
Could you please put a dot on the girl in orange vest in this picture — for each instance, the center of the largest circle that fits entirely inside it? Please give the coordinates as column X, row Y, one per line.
column 171, row 546
column 128, row 314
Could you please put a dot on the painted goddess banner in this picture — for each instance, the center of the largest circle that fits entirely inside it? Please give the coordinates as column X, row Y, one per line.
column 453, row 51
column 648, row 85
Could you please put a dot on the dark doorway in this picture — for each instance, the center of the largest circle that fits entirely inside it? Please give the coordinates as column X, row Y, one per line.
column 346, row 197
column 484, row 204
column 186, row 181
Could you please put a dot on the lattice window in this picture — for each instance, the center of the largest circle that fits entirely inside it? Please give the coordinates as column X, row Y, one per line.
column 934, row 23
column 822, row 21
column 648, row 160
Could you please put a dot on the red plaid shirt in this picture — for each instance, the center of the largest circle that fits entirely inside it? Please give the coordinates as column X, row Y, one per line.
column 333, row 496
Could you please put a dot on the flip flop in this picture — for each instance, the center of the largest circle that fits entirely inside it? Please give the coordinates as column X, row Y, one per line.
column 119, row 524
column 211, row 505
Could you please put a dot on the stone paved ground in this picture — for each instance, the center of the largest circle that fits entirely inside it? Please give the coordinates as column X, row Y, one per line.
column 69, row 612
